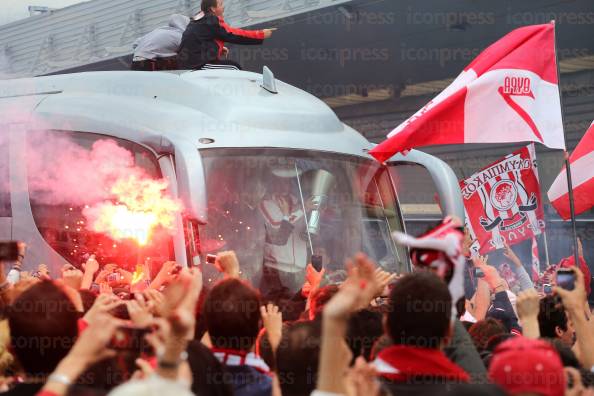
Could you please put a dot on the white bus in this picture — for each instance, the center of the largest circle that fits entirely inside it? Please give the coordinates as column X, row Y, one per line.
column 224, row 140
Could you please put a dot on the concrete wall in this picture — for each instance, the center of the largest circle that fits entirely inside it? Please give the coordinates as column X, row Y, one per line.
column 99, row 30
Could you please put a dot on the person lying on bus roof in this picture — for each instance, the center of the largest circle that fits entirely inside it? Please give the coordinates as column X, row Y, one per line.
column 157, row 50
column 202, row 44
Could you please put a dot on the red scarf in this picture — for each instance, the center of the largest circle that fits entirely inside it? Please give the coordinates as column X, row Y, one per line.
column 399, row 363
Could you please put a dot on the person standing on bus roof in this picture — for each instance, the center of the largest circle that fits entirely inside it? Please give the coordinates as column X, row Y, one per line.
column 202, row 44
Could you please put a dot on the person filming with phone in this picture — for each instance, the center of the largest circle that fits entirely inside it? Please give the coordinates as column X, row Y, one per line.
column 203, row 42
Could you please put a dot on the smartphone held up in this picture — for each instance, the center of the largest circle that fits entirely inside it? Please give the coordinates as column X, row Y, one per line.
column 566, row 278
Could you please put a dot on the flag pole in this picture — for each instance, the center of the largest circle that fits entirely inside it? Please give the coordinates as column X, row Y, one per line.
column 544, row 231
column 546, row 244
column 566, row 154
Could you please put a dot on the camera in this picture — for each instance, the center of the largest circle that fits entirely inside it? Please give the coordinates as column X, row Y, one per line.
column 478, row 272
column 547, row 289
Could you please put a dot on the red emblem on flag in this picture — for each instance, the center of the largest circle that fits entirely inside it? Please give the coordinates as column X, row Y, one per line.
column 503, row 202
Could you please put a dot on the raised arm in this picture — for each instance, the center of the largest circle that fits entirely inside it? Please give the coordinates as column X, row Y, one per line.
column 575, row 303
column 228, row 34
column 523, row 277
column 356, row 291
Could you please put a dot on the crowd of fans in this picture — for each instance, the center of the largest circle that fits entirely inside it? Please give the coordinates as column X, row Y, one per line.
column 374, row 334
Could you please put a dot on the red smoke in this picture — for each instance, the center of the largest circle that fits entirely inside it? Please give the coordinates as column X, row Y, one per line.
column 120, row 199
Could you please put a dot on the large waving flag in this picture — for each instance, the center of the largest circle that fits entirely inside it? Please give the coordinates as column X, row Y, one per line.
column 582, row 179
column 509, row 93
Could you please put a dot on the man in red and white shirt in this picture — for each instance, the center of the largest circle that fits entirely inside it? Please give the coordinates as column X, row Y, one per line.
column 285, row 247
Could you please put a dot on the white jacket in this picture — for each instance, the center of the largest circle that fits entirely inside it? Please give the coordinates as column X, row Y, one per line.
column 285, row 248
column 162, row 42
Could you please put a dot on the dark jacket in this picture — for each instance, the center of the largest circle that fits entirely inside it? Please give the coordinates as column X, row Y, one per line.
column 461, row 350
column 502, row 310
column 203, row 41
column 247, row 381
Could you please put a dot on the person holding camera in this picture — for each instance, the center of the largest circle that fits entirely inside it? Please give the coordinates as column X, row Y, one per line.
column 203, row 42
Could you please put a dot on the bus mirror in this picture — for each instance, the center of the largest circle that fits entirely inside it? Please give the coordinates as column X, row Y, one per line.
column 444, row 178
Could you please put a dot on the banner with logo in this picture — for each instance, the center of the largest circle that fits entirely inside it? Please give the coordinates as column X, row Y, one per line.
column 503, row 202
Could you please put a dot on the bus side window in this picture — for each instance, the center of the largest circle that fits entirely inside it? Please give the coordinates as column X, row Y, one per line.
column 5, row 208
column 63, row 227
column 418, row 197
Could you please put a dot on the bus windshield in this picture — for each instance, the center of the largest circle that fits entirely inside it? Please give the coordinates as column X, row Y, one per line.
column 282, row 209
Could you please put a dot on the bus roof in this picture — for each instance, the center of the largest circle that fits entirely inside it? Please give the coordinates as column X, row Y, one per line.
column 221, row 108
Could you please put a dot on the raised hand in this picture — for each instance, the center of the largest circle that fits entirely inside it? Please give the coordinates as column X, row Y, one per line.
column 177, row 326
column 91, row 265
column 314, row 277
column 103, row 304
column 528, row 306
column 73, row 278
column 104, row 288
column 382, row 280
column 156, row 300
column 102, row 276
column 181, row 298
column 140, row 310
column 361, row 379
column 125, row 276
column 492, row 276
column 273, row 323
column 227, row 263
column 580, row 248
column 91, row 347
column 576, row 305
column 283, row 204
column 268, row 32
column 509, row 253
column 574, row 300
column 43, row 271
column 467, row 243
column 356, row 292
column 164, row 276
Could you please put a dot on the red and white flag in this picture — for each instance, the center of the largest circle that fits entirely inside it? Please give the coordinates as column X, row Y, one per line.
column 535, row 260
column 582, row 179
column 509, row 93
column 503, row 202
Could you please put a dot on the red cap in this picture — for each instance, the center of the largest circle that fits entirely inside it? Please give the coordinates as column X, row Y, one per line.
column 569, row 262
column 522, row 365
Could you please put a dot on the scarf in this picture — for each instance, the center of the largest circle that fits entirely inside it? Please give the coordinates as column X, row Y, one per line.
column 401, row 363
